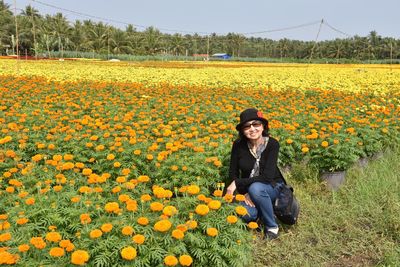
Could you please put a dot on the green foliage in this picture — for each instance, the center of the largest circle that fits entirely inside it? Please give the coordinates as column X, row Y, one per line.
column 356, row 225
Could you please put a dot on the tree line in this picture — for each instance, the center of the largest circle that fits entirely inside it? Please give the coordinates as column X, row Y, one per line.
column 40, row 35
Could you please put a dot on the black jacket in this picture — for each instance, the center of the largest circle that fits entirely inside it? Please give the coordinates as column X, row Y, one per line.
column 242, row 162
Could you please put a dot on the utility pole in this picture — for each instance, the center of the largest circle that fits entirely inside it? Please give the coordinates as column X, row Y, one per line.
column 16, row 26
column 34, row 35
column 208, row 47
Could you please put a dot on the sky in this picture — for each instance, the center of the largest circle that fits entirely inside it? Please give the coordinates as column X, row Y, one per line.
column 273, row 19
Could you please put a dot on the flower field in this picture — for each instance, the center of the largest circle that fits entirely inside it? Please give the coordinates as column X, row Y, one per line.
column 124, row 164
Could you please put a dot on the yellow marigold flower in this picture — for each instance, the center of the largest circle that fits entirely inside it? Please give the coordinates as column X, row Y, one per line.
column 178, row 234
column 128, row 253
column 53, row 237
column 107, row 227
column 143, row 221
column 191, row 224
column 57, row 252
column 127, row 230
column 240, row 210
column 79, row 257
column 305, row 149
column 212, row 232
column 214, row 204
column 162, row 226
column 202, row 209
column 185, row 260
column 110, row 156
column 231, row 219
column 324, row 144
column 138, row 239
column 170, row 260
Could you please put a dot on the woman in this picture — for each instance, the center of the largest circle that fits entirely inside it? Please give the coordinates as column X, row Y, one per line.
column 254, row 171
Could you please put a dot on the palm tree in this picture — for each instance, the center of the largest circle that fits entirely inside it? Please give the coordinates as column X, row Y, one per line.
column 7, row 27
column 152, row 40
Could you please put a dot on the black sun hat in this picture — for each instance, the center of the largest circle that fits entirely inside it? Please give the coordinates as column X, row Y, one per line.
column 250, row 114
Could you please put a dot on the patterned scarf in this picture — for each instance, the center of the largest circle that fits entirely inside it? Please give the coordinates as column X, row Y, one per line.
column 257, row 155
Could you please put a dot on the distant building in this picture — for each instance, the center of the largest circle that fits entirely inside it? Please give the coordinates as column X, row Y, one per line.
column 221, row 56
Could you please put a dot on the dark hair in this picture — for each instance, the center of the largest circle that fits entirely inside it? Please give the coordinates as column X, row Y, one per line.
column 264, row 133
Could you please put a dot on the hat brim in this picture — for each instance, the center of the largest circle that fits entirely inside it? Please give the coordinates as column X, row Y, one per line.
column 240, row 125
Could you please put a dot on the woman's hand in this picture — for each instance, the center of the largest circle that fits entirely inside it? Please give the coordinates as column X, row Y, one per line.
column 248, row 201
column 231, row 188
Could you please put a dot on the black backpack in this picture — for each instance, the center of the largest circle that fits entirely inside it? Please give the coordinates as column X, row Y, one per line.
column 286, row 206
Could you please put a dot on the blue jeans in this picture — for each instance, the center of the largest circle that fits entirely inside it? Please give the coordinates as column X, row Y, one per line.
column 262, row 195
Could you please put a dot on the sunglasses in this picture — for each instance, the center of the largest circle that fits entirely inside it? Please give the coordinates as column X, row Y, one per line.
column 255, row 124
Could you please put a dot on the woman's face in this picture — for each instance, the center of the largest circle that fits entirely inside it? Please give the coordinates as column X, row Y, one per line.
column 253, row 129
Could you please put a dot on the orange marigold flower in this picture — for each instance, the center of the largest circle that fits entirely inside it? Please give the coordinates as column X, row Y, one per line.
column 127, row 230
column 30, row 201
column 193, row 189
column 138, row 239
column 185, row 260
column 37, row 157
column 79, row 257
column 107, row 227
column 38, row 242
column 53, row 237
column 170, row 260
column 170, row 210
column 218, row 193
column 202, row 209
column 240, row 197
column 96, row 233
column 57, row 252
column 214, row 204
column 112, row 207
column 178, row 234
column 252, row 225
column 143, row 178
column 163, row 225
column 85, row 218
column 145, row 197
column 143, row 221
column 156, row 206
column 5, row 237
column 128, row 253
column 22, row 221
column 240, row 210
column 23, row 248
column 212, row 231
column 231, row 219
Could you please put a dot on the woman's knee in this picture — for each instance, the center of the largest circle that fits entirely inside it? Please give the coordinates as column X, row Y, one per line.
column 258, row 190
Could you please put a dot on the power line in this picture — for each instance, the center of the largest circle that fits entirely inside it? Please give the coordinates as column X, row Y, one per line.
column 336, row 30
column 173, row 30
column 285, row 29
